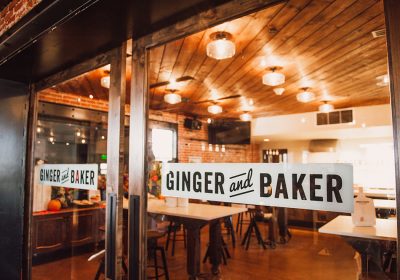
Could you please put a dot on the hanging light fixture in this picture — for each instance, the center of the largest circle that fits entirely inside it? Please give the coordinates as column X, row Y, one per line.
column 221, row 46
column 214, row 109
column 273, row 78
column 105, row 81
column 326, row 108
column 246, row 117
column 172, row 97
column 305, row 96
column 278, row 90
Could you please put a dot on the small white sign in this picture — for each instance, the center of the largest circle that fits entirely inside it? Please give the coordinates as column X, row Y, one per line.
column 327, row 187
column 78, row 176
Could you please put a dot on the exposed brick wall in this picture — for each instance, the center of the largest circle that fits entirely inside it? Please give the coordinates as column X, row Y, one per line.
column 14, row 11
column 191, row 143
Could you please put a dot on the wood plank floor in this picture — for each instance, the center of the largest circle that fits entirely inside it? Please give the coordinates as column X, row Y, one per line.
column 308, row 255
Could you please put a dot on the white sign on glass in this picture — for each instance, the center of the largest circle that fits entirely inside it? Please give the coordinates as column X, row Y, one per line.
column 327, row 187
column 78, row 176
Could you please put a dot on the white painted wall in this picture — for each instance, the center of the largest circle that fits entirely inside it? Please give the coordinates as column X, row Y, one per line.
column 372, row 158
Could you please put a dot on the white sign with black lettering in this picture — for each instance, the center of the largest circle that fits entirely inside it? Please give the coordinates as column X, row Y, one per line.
column 78, row 176
column 327, row 187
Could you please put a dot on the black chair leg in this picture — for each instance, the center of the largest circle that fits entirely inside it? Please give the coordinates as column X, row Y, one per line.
column 238, row 222
column 168, row 236
column 100, row 270
column 164, row 260
column 155, row 262
column 184, row 237
column 174, row 240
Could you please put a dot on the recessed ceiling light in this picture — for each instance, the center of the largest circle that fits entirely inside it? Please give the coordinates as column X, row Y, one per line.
column 266, row 140
column 67, row 144
column 91, row 96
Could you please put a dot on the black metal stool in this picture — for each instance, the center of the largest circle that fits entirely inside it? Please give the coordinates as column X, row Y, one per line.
column 153, row 248
column 173, row 228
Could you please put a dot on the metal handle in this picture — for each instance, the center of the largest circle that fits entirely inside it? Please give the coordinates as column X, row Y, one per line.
column 111, row 233
column 134, row 223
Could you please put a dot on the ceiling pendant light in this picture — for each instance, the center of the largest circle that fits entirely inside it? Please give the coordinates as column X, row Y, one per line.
column 246, row 117
column 214, row 109
column 305, row 96
column 273, row 78
column 172, row 97
column 105, row 82
column 279, row 90
column 221, row 46
column 326, row 108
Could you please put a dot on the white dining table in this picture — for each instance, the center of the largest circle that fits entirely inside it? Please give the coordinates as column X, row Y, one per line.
column 384, row 203
column 194, row 216
column 385, row 229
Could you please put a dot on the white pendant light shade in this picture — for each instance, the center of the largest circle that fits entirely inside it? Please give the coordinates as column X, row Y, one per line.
column 214, row 109
column 221, row 46
column 245, row 117
column 105, row 82
column 273, row 78
column 305, row 96
column 326, row 108
column 172, row 98
column 279, row 90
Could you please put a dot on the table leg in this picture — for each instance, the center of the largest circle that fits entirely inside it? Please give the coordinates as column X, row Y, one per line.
column 193, row 250
column 215, row 246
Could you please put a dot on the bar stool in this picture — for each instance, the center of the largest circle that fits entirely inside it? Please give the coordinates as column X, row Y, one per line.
column 153, row 248
column 173, row 228
column 255, row 216
column 224, row 252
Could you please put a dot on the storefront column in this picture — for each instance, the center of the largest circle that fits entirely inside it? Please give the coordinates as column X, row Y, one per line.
column 115, row 164
column 138, row 164
column 392, row 19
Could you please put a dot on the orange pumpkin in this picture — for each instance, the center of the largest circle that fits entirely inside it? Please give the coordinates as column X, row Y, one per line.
column 54, row 205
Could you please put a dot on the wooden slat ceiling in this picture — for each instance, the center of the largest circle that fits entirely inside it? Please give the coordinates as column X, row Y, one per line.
column 326, row 45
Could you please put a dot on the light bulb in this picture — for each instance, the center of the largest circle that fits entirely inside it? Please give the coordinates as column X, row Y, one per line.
column 273, row 79
column 279, row 91
column 305, row 96
column 214, row 109
column 172, row 98
column 245, row 117
column 325, row 108
column 221, row 47
column 105, row 81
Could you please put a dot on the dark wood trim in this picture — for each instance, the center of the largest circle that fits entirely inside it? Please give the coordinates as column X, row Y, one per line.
column 115, row 149
column 76, row 70
column 138, row 149
column 29, row 181
column 220, row 14
column 392, row 18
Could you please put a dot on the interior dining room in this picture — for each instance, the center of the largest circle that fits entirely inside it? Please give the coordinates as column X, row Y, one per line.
column 297, row 82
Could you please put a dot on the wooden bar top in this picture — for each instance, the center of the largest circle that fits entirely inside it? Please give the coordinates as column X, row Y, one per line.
column 68, row 210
